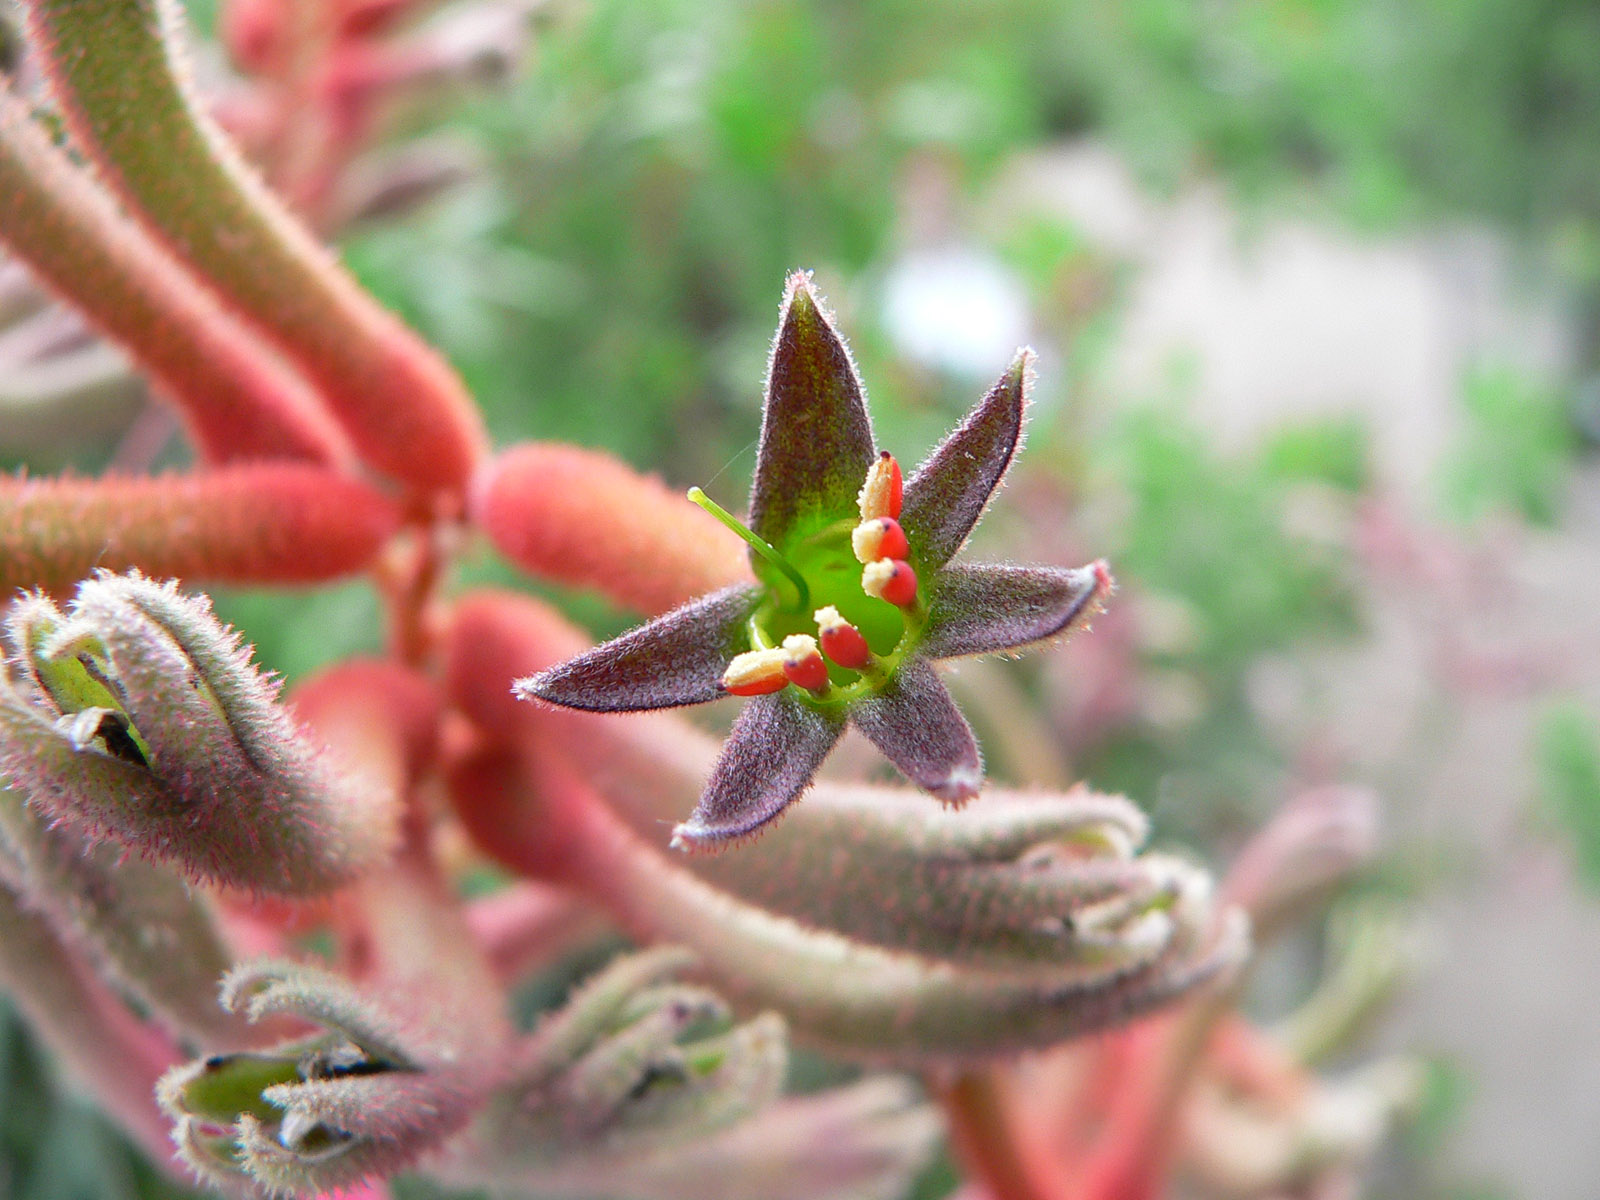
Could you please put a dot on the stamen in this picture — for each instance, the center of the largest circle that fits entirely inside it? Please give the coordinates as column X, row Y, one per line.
column 802, row 663
column 880, row 494
column 755, row 673
column 841, row 641
column 757, row 543
column 880, row 538
column 891, row 579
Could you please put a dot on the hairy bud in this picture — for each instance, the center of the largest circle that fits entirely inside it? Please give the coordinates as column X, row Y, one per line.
column 138, row 717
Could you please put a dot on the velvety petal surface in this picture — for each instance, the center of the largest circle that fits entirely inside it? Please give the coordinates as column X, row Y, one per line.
column 947, row 494
column 919, row 728
column 775, row 748
column 986, row 607
column 676, row 659
column 816, row 438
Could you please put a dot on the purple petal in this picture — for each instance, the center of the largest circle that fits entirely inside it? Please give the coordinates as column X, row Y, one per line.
column 948, row 492
column 676, row 659
column 919, row 728
column 775, row 748
column 985, row 607
column 816, row 439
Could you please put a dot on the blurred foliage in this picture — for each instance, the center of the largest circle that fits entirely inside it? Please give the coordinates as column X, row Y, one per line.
column 1208, row 535
column 1516, row 451
column 54, row 1146
column 1568, row 759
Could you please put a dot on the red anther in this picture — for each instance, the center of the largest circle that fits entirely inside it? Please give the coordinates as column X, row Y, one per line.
column 842, row 641
column 755, row 673
column 880, row 493
column 879, row 538
column 802, row 662
column 891, row 579
column 1102, row 575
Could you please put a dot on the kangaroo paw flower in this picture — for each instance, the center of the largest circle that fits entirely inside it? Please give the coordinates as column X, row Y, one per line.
column 137, row 717
column 364, row 1098
column 856, row 596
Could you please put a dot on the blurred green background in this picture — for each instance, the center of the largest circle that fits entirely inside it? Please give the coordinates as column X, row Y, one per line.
column 1391, row 585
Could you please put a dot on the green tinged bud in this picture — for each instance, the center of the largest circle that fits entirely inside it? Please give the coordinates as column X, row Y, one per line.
column 137, row 717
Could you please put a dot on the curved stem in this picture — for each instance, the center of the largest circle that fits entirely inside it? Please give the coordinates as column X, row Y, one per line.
column 987, row 1140
column 757, row 543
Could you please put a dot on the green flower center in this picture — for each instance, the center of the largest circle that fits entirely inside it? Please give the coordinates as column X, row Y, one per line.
column 815, row 568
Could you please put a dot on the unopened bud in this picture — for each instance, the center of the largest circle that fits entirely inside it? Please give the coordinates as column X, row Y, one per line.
column 880, row 494
column 803, row 663
column 890, row 579
column 755, row 673
column 841, row 641
column 879, row 538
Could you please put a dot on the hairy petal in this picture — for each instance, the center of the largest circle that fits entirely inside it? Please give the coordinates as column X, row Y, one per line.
column 919, row 728
column 775, row 748
column 676, row 659
column 947, row 494
column 586, row 519
column 865, row 1002
column 987, row 607
column 816, row 438
column 884, row 866
column 258, row 523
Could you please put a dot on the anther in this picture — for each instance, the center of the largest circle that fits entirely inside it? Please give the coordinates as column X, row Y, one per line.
column 755, row 673
column 802, row 662
column 880, row 494
column 879, row 538
column 841, row 641
column 890, row 579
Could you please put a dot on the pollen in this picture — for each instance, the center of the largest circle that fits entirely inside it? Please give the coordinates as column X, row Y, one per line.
column 890, row 579
column 879, row 538
column 880, row 494
column 755, row 673
column 802, row 662
column 841, row 641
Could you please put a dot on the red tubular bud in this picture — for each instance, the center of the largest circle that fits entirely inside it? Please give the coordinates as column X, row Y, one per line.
column 880, row 494
column 802, row 662
column 880, row 538
column 842, row 641
column 890, row 579
column 755, row 673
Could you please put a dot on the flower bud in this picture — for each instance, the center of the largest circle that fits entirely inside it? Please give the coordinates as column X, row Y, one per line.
column 890, row 579
column 879, row 538
column 802, row 662
column 137, row 717
column 880, row 494
column 366, row 1097
column 755, row 673
column 841, row 641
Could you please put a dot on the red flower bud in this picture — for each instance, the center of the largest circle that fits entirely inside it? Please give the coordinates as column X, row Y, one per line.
column 880, row 538
column 842, row 641
column 802, row 662
column 880, row 494
column 891, row 579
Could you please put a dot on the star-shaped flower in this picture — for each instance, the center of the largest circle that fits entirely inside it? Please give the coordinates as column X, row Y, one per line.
column 857, row 596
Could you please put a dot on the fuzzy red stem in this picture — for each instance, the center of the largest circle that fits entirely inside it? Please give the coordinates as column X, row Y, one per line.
column 260, row 523
column 237, row 400
column 587, row 519
column 402, row 405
